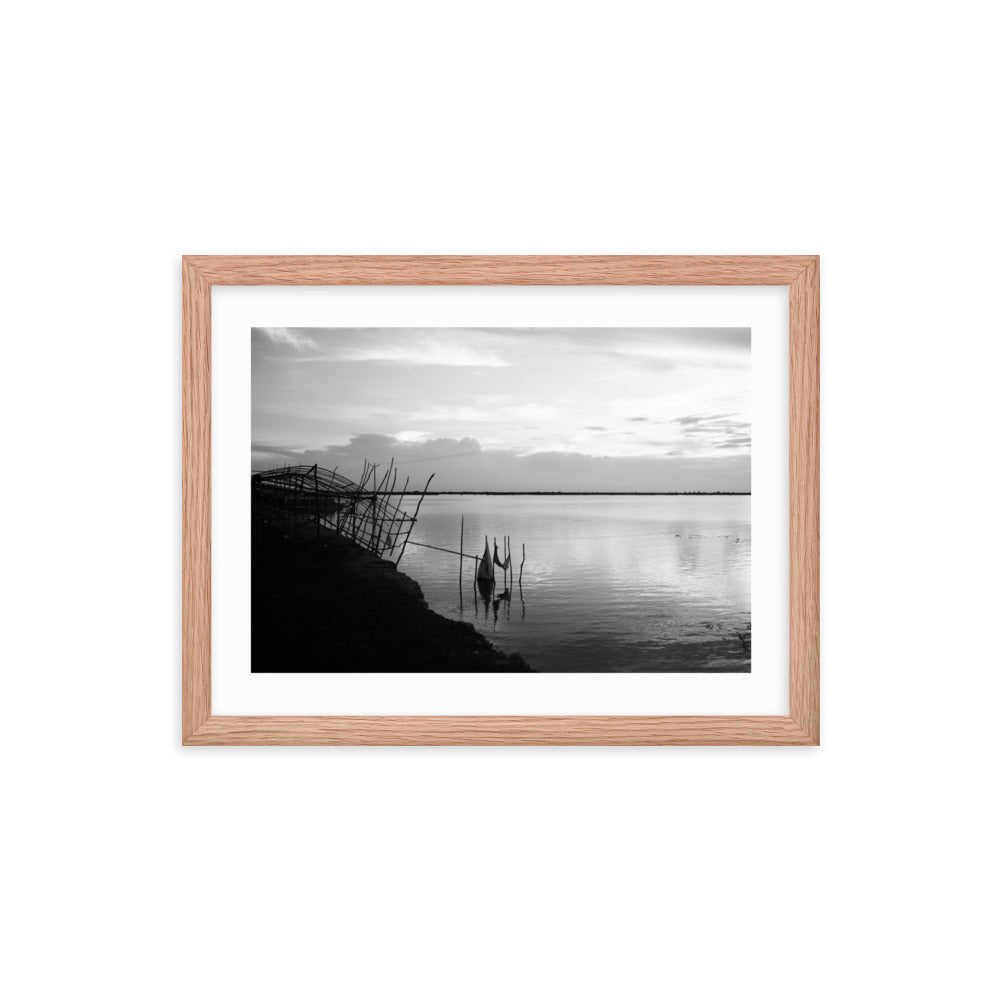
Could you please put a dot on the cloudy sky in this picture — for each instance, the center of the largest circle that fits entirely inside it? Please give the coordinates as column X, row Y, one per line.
column 509, row 409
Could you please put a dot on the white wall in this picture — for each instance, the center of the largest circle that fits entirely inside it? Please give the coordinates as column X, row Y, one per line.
column 862, row 131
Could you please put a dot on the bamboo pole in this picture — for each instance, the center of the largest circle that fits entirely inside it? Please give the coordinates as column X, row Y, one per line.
column 438, row 548
column 390, row 506
column 401, row 520
column 315, row 471
column 403, row 515
column 340, row 508
column 413, row 520
column 507, row 590
column 381, row 513
column 461, row 549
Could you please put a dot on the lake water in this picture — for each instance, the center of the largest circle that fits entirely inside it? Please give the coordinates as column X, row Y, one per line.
column 610, row 583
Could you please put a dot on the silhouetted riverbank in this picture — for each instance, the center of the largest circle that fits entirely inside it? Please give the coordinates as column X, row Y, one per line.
column 330, row 606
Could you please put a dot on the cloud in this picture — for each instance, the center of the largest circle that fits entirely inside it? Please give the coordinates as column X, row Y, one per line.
column 451, row 348
column 257, row 448
column 718, row 431
column 444, row 413
column 288, row 336
column 697, row 419
column 378, row 448
column 463, row 464
column 425, row 352
column 666, row 350
column 735, row 441
column 486, row 411
column 511, row 393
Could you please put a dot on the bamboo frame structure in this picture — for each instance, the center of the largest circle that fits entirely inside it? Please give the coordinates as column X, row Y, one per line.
column 365, row 512
column 800, row 727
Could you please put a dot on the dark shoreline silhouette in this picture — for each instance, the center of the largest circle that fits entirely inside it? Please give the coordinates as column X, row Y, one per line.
column 563, row 493
column 326, row 605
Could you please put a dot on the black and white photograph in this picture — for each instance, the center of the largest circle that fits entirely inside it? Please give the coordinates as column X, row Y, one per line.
column 525, row 514
column 550, row 500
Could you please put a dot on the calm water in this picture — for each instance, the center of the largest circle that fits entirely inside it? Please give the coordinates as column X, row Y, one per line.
column 609, row 583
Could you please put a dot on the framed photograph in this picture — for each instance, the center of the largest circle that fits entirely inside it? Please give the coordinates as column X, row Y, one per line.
column 501, row 500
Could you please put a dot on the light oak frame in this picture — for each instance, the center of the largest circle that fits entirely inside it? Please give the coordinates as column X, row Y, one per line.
column 799, row 728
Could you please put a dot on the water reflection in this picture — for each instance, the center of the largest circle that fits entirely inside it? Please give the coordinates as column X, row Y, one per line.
column 494, row 601
column 616, row 583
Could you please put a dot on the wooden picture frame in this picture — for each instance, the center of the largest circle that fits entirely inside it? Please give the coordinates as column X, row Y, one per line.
column 799, row 728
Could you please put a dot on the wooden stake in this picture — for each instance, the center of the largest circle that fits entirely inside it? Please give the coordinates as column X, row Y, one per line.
column 413, row 520
column 315, row 472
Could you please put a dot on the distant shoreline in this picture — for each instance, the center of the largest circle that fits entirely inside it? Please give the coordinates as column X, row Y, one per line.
column 563, row 493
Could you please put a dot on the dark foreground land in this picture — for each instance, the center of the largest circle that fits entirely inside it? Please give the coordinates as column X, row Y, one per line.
column 329, row 606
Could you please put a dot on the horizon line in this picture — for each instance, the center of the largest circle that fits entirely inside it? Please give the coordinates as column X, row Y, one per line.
column 573, row 493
